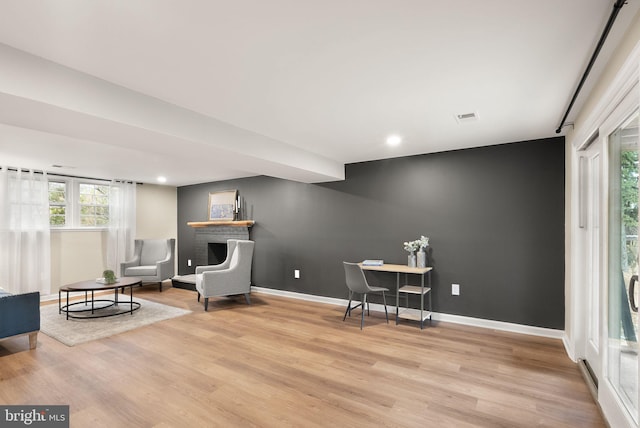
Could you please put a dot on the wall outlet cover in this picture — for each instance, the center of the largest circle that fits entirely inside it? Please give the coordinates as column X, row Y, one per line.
column 455, row 289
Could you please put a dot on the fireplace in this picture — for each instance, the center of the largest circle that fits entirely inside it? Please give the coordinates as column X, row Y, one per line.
column 217, row 253
column 211, row 245
column 211, row 239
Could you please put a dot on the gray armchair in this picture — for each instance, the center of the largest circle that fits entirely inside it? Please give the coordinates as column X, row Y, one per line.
column 230, row 278
column 153, row 260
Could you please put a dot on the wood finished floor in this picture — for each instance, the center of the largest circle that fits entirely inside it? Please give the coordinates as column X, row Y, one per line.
column 289, row 363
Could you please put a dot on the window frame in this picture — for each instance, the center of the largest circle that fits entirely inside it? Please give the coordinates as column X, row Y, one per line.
column 73, row 206
column 79, row 204
column 65, row 204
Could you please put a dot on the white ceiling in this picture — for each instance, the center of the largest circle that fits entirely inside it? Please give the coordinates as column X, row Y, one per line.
column 209, row 90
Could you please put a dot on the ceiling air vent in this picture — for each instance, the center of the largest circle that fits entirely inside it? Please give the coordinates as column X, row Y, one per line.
column 467, row 117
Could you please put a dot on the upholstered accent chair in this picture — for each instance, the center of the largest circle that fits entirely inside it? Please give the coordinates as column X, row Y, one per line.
column 153, row 261
column 20, row 315
column 230, row 278
column 357, row 284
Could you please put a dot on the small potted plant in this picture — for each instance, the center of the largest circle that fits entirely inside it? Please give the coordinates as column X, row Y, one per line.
column 109, row 276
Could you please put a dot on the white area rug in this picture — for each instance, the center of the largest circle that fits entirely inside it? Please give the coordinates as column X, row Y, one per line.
column 75, row 331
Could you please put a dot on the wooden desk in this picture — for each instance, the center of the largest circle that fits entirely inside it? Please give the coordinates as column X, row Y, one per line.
column 407, row 289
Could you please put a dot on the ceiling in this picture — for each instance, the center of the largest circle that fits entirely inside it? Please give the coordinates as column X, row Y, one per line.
column 208, row 90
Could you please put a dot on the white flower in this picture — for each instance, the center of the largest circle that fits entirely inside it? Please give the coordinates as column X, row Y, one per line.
column 411, row 246
column 423, row 242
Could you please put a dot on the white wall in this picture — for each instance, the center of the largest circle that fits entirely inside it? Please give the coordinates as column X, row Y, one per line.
column 77, row 255
column 156, row 212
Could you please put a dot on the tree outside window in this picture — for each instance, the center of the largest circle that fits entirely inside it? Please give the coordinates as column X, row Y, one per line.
column 57, row 203
column 78, row 204
column 94, row 205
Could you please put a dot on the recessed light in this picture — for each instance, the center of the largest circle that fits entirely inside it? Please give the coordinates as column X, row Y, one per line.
column 162, row 179
column 394, row 140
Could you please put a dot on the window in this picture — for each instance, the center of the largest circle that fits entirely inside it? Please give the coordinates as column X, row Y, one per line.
column 57, row 203
column 75, row 203
column 94, row 204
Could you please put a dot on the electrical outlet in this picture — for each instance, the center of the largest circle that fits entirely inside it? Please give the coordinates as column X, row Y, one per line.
column 189, row 262
column 455, row 289
column 296, row 274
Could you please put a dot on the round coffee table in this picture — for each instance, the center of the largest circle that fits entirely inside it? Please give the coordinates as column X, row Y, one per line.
column 98, row 308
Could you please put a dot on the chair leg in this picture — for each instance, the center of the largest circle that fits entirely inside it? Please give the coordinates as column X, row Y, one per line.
column 364, row 304
column 33, row 340
column 386, row 314
column 348, row 311
column 198, row 296
column 206, row 303
column 247, row 298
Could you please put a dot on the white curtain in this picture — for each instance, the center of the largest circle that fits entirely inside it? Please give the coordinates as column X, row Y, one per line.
column 25, row 240
column 122, row 224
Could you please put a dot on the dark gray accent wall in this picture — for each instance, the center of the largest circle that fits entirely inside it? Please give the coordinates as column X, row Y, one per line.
column 495, row 216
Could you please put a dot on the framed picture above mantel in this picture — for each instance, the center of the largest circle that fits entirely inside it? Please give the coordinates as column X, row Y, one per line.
column 223, row 206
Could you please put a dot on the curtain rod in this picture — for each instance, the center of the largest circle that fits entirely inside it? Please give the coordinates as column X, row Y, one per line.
column 612, row 18
column 54, row 174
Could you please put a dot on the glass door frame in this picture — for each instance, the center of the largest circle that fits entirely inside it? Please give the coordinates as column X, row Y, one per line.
column 621, row 94
column 613, row 408
column 592, row 212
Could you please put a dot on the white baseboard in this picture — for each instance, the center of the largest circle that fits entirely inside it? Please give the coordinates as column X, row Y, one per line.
column 48, row 297
column 456, row 319
column 568, row 346
column 500, row 325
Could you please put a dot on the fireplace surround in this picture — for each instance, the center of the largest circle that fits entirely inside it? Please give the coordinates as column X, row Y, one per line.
column 211, row 232
column 216, row 232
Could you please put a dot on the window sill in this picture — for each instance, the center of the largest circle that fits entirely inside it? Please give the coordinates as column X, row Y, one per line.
column 79, row 229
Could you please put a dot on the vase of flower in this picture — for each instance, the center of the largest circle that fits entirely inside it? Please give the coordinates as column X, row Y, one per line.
column 423, row 243
column 411, row 247
column 411, row 260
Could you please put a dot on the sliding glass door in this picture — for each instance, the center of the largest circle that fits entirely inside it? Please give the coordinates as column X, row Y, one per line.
column 622, row 295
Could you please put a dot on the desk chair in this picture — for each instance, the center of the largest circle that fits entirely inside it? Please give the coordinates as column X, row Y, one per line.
column 357, row 283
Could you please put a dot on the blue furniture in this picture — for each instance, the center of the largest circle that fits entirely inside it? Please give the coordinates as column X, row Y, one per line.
column 19, row 316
